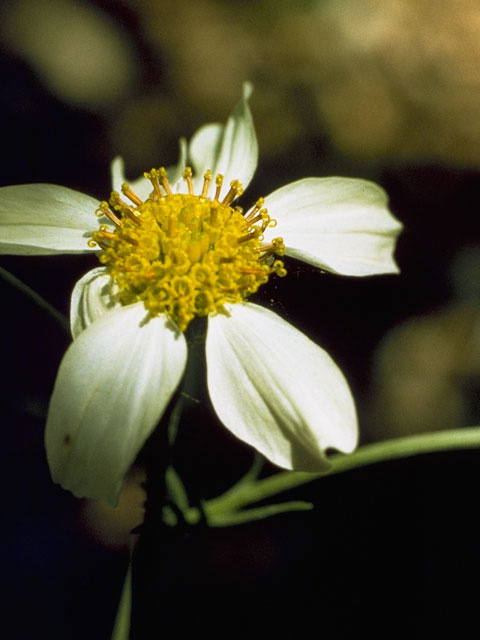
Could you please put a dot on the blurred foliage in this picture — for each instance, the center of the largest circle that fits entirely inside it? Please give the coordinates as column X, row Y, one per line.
column 384, row 81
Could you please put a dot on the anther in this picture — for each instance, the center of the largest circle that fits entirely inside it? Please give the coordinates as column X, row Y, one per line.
column 218, row 182
column 207, row 178
column 108, row 235
column 266, row 221
column 162, row 172
column 118, row 204
column 253, row 220
column 276, row 246
column 256, row 209
column 130, row 212
column 187, row 176
column 114, row 198
column 127, row 191
column 131, row 240
column 250, row 236
column 251, row 271
column 153, row 177
column 104, row 210
column 235, row 191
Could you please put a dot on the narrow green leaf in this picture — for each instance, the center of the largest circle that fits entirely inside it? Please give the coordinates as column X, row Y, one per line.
column 229, row 519
column 244, row 494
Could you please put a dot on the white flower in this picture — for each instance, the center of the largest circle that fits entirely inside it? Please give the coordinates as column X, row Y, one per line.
column 269, row 384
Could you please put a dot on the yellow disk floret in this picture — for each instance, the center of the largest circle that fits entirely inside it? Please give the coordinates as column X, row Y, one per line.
column 183, row 254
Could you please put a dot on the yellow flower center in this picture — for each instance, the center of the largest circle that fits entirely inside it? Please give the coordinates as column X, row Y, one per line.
column 183, row 254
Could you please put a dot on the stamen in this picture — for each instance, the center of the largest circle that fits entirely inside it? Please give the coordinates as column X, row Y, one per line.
column 108, row 235
column 116, row 202
column 126, row 209
column 164, row 180
column 251, row 271
column 250, row 222
column 207, row 178
column 276, row 246
column 263, row 216
column 236, row 190
column 218, row 182
column 130, row 212
column 153, row 177
column 266, row 220
column 250, row 236
column 256, row 208
column 131, row 241
column 131, row 195
column 104, row 210
column 187, row 175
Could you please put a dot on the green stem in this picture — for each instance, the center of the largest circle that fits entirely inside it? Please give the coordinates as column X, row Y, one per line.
column 174, row 420
column 244, row 494
column 229, row 519
column 36, row 298
column 121, row 630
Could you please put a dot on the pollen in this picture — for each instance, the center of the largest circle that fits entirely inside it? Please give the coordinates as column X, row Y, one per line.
column 183, row 254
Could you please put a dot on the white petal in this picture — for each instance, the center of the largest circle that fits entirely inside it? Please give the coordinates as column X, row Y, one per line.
column 117, row 173
column 39, row 219
column 231, row 150
column 277, row 390
column 338, row 224
column 174, row 174
column 92, row 297
column 204, row 150
column 112, row 387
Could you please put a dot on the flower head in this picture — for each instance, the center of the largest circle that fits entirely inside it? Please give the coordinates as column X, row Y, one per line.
column 186, row 255
column 173, row 247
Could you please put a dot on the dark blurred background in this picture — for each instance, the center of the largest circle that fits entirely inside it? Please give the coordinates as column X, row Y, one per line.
column 374, row 89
